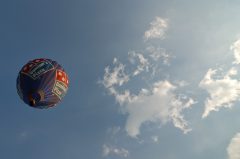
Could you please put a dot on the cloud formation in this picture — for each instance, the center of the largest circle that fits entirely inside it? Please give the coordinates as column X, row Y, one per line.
column 234, row 147
column 141, row 62
column 157, row 29
column 116, row 76
column 158, row 53
column 112, row 150
column 236, row 49
column 224, row 90
column 158, row 103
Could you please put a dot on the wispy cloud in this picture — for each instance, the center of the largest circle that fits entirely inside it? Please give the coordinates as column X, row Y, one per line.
column 109, row 150
column 223, row 90
column 117, row 76
column 234, row 147
column 236, row 49
column 157, row 29
column 159, row 102
column 158, row 53
column 139, row 60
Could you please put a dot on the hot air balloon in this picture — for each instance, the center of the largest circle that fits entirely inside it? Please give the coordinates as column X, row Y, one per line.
column 42, row 83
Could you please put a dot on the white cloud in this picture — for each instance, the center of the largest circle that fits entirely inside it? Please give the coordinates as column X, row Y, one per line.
column 223, row 91
column 157, row 53
column 160, row 104
column 140, row 60
column 121, row 98
column 157, row 29
column 112, row 150
column 148, row 61
column 116, row 76
column 236, row 49
column 234, row 147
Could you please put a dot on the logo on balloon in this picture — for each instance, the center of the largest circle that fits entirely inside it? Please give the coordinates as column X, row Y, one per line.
column 61, row 85
column 36, row 68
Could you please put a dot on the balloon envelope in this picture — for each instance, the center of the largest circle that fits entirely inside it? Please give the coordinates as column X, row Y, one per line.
column 42, row 83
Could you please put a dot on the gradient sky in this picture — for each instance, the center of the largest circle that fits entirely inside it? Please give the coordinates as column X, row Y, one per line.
column 149, row 79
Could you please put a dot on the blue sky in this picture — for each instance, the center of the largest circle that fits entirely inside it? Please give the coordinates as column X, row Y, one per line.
column 148, row 79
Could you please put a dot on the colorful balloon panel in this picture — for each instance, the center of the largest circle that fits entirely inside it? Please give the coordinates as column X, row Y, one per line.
column 42, row 83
